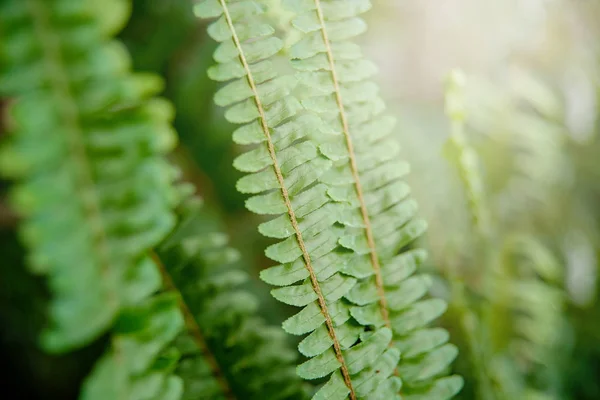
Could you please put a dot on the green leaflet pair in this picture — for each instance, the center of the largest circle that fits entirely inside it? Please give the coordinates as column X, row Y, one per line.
column 325, row 164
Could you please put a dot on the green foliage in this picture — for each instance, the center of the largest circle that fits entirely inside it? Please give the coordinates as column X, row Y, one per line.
column 513, row 332
column 96, row 197
column 528, row 292
column 378, row 215
column 227, row 351
column 100, row 198
column 125, row 264
column 340, row 212
column 97, row 194
column 139, row 364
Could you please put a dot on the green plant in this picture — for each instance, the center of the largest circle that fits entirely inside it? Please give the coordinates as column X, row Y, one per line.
column 227, row 351
column 133, row 263
column 343, row 211
column 94, row 191
column 513, row 325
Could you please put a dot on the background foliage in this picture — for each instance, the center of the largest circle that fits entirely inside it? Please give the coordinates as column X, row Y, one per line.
column 529, row 114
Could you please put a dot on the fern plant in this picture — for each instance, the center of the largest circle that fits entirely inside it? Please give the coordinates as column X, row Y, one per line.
column 227, row 351
column 94, row 189
column 343, row 214
column 513, row 332
column 140, row 284
column 98, row 197
column 461, row 153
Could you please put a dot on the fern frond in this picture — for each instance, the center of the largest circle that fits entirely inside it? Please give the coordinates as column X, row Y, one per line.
column 87, row 149
column 227, row 350
column 140, row 363
column 528, row 291
column 329, row 261
column 524, row 119
column 466, row 156
column 520, row 315
column 460, row 152
column 94, row 189
column 284, row 170
column 379, row 217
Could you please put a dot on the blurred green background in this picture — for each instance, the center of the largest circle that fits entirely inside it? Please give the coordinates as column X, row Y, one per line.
column 531, row 102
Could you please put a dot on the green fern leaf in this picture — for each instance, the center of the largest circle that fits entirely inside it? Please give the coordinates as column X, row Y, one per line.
column 320, row 187
column 227, row 351
column 310, row 254
column 284, row 170
column 521, row 318
column 139, row 364
column 366, row 178
column 96, row 195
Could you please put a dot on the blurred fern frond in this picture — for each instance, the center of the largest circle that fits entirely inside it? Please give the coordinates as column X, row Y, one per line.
column 227, row 350
column 524, row 121
column 518, row 316
column 87, row 147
